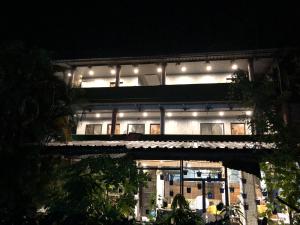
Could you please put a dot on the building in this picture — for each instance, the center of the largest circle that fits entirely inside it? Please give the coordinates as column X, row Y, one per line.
column 175, row 116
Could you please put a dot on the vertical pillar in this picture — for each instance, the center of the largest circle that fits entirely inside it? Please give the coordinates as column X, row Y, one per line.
column 113, row 121
column 118, row 72
column 162, row 120
column 163, row 73
column 181, row 178
column 226, row 188
column 203, row 197
column 250, row 69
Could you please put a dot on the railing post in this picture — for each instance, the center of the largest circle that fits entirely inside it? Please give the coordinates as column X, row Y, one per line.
column 163, row 73
column 118, row 71
column 113, row 121
column 181, row 178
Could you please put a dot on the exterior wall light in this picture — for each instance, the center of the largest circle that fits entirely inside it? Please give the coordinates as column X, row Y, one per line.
column 221, row 113
column 234, row 66
column 195, row 114
column 69, row 74
column 145, row 114
column 112, row 71
column 159, row 69
column 169, row 114
column 183, row 69
column 91, row 72
column 121, row 114
column 136, row 70
column 248, row 113
column 208, row 67
column 97, row 115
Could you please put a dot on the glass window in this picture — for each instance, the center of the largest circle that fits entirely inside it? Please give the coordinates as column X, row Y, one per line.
column 93, row 129
column 212, row 128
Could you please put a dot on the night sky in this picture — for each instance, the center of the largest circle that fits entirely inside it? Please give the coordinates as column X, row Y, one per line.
column 122, row 29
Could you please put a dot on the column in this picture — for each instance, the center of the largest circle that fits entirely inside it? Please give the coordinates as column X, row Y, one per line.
column 250, row 69
column 226, row 187
column 113, row 121
column 181, row 178
column 162, row 120
column 118, row 71
column 163, row 73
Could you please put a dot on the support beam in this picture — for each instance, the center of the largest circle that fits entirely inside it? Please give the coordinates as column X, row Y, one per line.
column 250, row 69
column 181, row 178
column 113, row 121
column 226, row 188
column 203, row 197
column 162, row 120
column 118, row 72
column 163, row 73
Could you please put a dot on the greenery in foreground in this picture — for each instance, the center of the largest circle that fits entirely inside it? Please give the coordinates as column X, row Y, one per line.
column 270, row 97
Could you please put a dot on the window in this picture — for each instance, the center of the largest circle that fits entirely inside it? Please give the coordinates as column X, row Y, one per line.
column 212, row 128
column 117, row 129
column 154, row 128
column 93, row 129
column 136, row 128
column 238, row 129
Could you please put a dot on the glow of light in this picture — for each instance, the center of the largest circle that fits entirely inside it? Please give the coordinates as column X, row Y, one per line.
column 221, row 113
column 144, row 165
column 234, row 66
column 80, row 80
column 189, row 165
column 113, row 71
column 91, row 72
column 183, row 69
column 159, row 69
column 121, row 114
column 195, row 114
column 169, row 114
column 248, row 113
column 208, row 67
column 80, row 75
column 136, row 70
column 97, row 115
column 69, row 74
column 145, row 114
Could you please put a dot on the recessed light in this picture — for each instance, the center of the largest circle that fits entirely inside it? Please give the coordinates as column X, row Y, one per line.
column 136, row 70
column 234, row 66
column 113, row 71
column 195, row 114
column 91, row 72
column 69, row 74
column 221, row 113
column 208, row 67
column 97, row 115
column 183, row 69
column 169, row 114
column 145, row 114
column 121, row 114
column 159, row 69
column 248, row 113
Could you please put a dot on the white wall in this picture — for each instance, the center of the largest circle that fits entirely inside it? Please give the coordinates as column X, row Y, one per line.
column 172, row 126
column 197, row 79
column 105, row 82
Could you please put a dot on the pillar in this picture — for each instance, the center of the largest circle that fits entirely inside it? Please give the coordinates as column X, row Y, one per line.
column 113, row 121
column 163, row 73
column 226, row 187
column 118, row 72
column 162, row 120
column 250, row 69
column 181, row 178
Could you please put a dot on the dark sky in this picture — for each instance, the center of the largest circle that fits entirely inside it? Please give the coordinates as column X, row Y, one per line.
column 122, row 29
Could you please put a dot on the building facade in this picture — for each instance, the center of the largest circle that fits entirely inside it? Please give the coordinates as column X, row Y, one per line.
column 176, row 117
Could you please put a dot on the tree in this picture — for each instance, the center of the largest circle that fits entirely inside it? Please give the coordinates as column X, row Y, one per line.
column 270, row 99
column 35, row 107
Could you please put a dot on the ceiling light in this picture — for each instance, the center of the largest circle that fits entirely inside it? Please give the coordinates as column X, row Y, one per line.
column 159, row 69
column 195, row 114
column 248, row 113
column 221, row 113
column 91, row 72
column 113, row 71
column 183, row 69
column 169, row 114
column 69, row 74
column 136, row 70
column 208, row 67
column 145, row 114
column 121, row 114
column 97, row 115
column 234, row 66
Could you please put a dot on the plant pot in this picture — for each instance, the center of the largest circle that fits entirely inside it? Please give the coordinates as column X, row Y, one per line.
column 244, row 195
column 244, row 181
column 265, row 193
column 147, row 211
column 246, row 206
column 188, row 190
column 171, row 193
column 185, row 172
column 257, row 201
column 219, row 175
column 222, row 190
column 199, row 174
column 231, row 189
column 210, row 195
column 171, row 182
column 161, row 177
column 208, row 179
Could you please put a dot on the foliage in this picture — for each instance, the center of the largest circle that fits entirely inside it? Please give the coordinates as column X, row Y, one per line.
column 270, row 97
column 35, row 107
column 97, row 190
column 181, row 214
column 231, row 214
